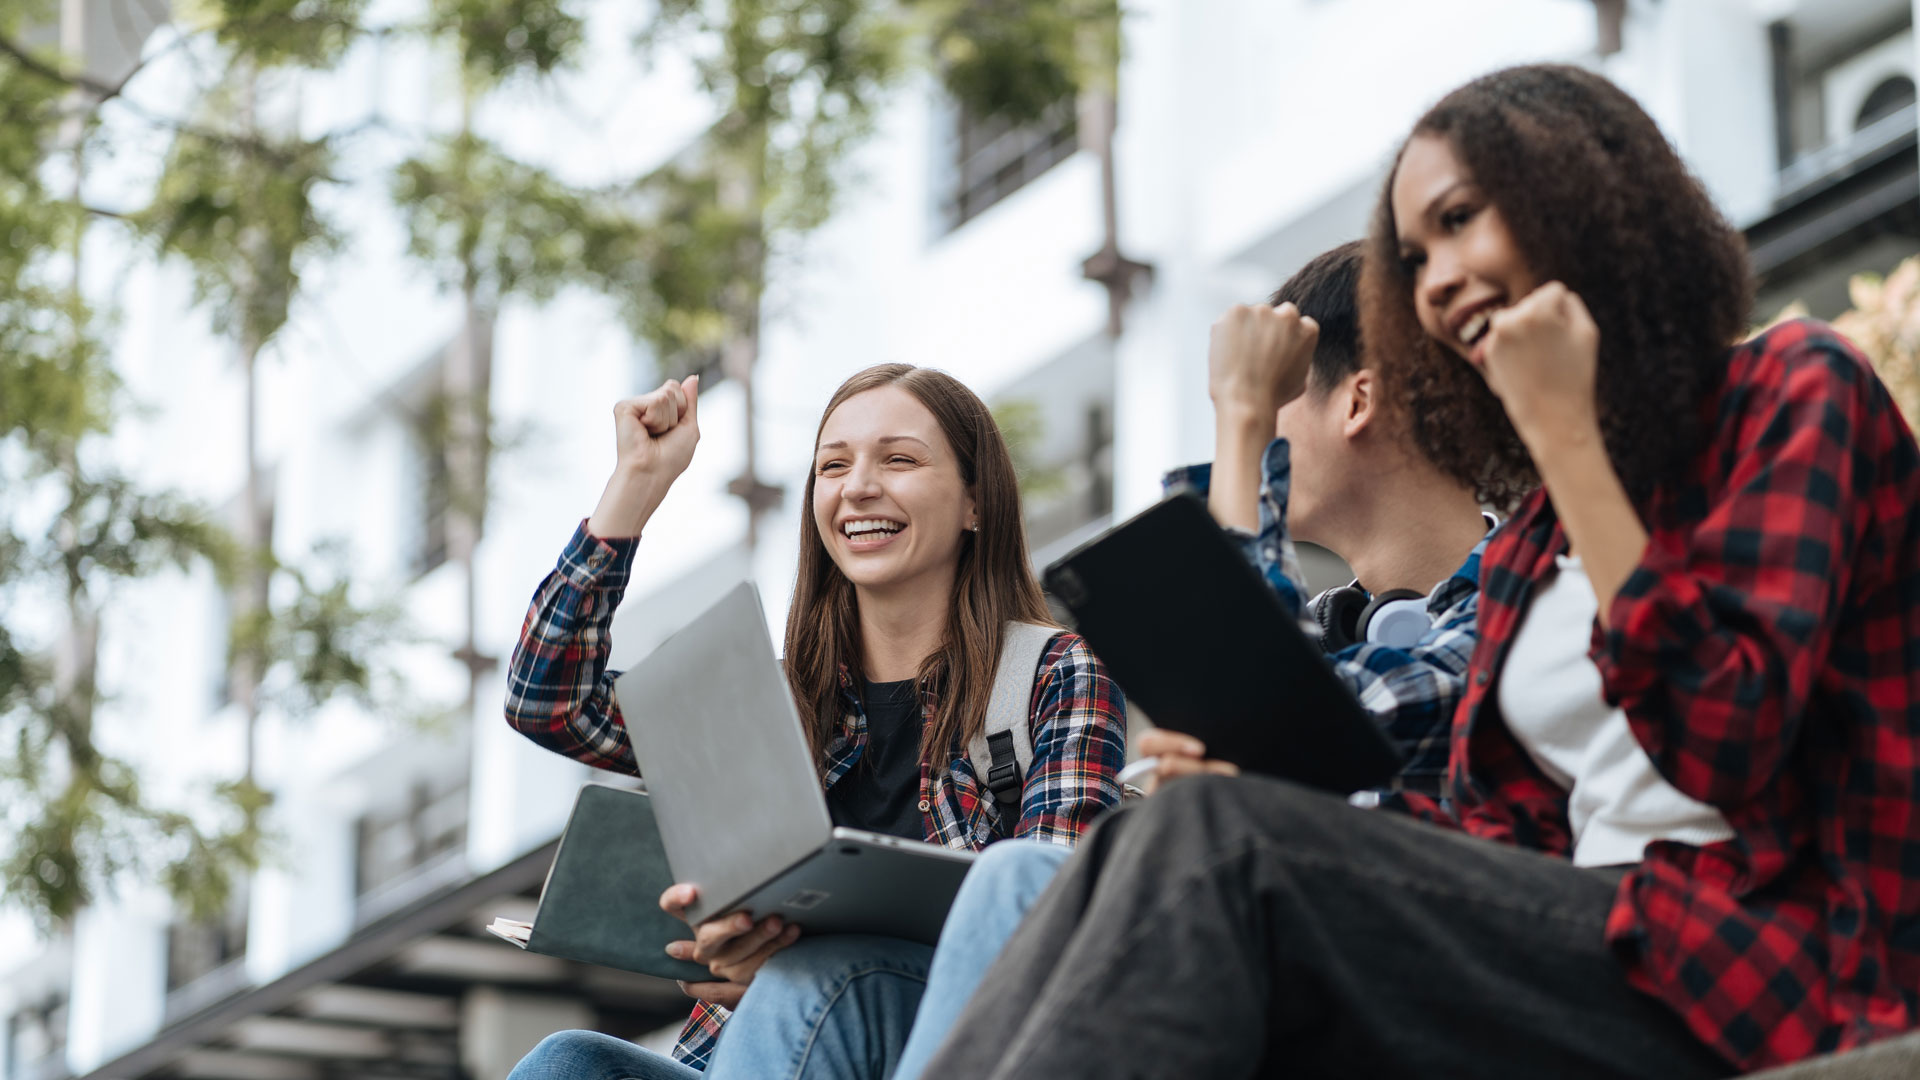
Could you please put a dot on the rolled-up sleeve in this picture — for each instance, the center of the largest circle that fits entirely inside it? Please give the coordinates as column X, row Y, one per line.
column 1079, row 746
column 559, row 689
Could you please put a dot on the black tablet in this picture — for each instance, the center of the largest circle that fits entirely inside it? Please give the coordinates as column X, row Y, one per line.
column 1202, row 645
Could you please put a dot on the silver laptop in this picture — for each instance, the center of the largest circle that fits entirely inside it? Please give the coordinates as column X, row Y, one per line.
column 738, row 798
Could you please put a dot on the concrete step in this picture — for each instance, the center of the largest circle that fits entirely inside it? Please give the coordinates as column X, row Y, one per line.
column 1889, row 1059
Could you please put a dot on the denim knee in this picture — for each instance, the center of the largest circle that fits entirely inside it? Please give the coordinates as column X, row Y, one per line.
column 582, row 1055
column 837, row 957
column 562, row 1048
column 1016, row 866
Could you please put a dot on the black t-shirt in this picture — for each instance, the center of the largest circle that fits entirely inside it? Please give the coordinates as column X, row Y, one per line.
column 882, row 792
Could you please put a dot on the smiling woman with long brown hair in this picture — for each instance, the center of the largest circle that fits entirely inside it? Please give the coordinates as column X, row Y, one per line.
column 913, row 572
column 1684, row 783
column 983, row 568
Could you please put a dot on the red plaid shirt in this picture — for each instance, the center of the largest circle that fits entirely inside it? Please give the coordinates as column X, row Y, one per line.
column 1766, row 653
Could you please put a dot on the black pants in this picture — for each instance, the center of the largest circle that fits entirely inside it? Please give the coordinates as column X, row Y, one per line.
column 1247, row 927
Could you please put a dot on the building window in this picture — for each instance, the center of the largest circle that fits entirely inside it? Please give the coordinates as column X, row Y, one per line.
column 1058, row 423
column 426, row 410
column 1833, row 79
column 37, row 1038
column 198, row 949
column 1885, row 100
column 1078, row 484
column 395, row 843
column 984, row 159
column 434, row 488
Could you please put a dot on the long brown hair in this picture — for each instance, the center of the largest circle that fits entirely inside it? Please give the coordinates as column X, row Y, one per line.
column 1597, row 199
column 993, row 585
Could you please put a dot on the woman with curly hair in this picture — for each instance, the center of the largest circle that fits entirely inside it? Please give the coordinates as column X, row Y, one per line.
column 1683, row 833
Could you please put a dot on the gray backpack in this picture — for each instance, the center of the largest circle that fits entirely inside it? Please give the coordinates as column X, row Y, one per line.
column 1003, row 751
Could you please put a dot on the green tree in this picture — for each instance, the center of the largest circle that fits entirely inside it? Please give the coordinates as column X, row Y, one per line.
column 685, row 252
column 236, row 205
column 491, row 228
column 74, row 530
column 800, row 83
column 237, row 208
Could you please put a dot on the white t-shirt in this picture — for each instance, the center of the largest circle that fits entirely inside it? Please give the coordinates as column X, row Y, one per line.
column 1550, row 694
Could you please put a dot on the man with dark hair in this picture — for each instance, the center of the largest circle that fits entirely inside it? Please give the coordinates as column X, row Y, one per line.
column 1357, row 485
column 851, row 1006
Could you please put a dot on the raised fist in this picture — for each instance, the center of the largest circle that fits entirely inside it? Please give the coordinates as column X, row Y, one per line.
column 1258, row 357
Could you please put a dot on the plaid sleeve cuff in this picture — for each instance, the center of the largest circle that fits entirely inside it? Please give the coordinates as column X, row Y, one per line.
column 1271, row 550
column 1192, row 480
column 592, row 563
column 700, row 1035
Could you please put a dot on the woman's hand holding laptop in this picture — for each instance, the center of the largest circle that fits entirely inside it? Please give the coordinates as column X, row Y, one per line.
column 733, row 947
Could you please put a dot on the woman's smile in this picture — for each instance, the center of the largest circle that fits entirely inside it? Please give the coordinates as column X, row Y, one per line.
column 867, row 534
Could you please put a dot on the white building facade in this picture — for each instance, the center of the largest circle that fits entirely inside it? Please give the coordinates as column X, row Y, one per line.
column 1252, row 135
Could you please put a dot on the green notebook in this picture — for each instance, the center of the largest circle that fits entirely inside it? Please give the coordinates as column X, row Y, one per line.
column 601, row 902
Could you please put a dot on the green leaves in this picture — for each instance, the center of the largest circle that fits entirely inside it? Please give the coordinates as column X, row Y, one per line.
column 77, row 828
column 1017, row 58
column 53, row 382
column 29, row 117
column 113, row 529
column 75, row 817
column 316, row 641
column 486, row 222
column 55, row 387
column 272, row 33
column 799, row 83
column 1022, row 424
column 239, row 209
column 501, row 38
column 680, row 279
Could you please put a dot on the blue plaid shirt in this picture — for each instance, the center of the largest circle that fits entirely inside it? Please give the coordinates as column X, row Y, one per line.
column 1410, row 692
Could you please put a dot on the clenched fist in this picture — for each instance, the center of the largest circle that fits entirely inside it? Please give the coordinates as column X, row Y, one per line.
column 1539, row 358
column 1258, row 357
column 657, row 432
column 654, row 436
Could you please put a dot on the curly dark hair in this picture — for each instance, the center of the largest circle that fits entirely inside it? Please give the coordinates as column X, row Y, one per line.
column 1598, row 200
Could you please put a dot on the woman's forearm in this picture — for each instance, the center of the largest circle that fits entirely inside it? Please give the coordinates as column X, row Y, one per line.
column 1602, row 526
column 627, row 503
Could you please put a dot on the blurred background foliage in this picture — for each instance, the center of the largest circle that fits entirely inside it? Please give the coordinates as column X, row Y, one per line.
column 1884, row 322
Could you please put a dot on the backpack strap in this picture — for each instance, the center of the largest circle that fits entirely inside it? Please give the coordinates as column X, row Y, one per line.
column 1003, row 751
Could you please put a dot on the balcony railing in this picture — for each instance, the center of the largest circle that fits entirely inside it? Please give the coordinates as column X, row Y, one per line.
column 1871, row 144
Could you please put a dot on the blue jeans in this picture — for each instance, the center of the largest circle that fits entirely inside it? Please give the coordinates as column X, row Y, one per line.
column 589, row 1055
column 854, row 1008
column 841, row 1005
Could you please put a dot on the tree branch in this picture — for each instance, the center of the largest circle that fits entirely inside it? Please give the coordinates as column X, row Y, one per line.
column 80, row 81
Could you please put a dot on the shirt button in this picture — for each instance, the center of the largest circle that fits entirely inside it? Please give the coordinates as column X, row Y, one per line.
column 925, row 806
column 1479, row 678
